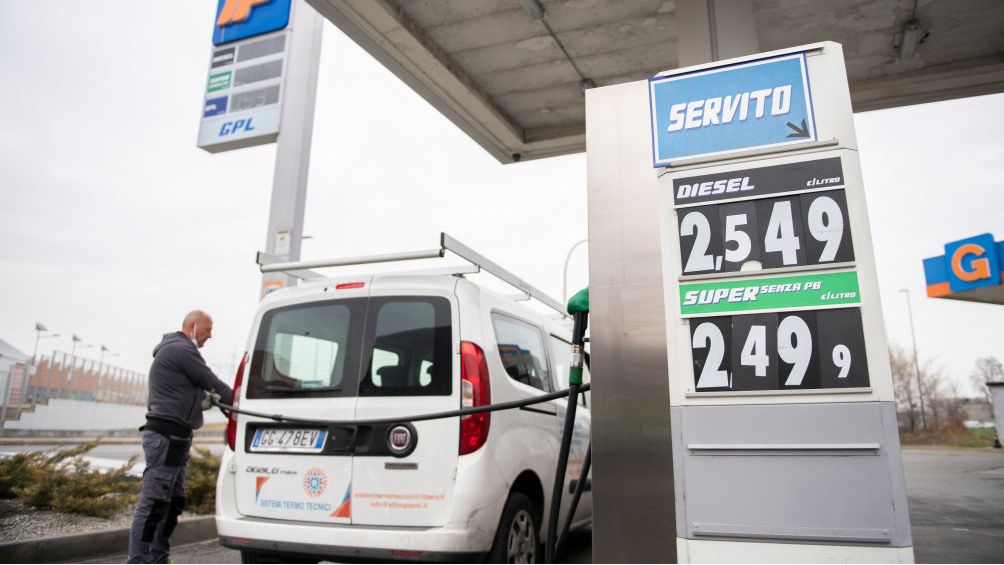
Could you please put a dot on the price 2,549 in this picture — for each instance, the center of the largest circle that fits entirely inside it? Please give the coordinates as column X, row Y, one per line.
column 805, row 229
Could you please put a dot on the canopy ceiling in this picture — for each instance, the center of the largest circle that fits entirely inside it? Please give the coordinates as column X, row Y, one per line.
column 513, row 81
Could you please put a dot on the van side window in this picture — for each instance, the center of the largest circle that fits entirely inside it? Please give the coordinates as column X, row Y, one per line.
column 561, row 357
column 521, row 348
column 410, row 344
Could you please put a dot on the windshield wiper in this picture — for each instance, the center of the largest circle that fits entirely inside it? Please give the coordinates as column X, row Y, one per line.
column 272, row 388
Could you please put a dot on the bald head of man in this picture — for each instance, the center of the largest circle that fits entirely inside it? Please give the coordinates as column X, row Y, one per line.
column 198, row 327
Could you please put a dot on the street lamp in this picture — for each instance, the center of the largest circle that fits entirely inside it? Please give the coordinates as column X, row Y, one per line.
column 104, row 349
column 916, row 364
column 39, row 328
column 73, row 358
column 564, row 283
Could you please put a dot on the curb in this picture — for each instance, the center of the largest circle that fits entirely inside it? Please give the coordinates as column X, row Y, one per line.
column 76, row 548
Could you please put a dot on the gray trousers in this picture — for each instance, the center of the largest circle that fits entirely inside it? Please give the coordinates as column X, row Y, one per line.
column 161, row 499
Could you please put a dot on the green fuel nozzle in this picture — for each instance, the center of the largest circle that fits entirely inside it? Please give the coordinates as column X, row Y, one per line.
column 579, row 302
column 578, row 307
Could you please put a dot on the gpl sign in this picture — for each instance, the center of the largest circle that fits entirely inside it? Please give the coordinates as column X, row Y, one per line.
column 247, row 71
column 755, row 105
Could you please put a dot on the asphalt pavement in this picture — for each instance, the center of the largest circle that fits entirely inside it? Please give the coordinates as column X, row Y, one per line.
column 579, row 551
column 956, row 499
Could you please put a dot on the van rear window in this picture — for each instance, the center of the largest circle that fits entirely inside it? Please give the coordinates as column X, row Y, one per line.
column 409, row 348
column 385, row 346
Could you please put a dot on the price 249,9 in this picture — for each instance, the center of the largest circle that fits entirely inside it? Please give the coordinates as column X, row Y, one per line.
column 806, row 229
column 778, row 351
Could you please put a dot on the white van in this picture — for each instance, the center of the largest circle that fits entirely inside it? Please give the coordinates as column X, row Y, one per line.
column 388, row 346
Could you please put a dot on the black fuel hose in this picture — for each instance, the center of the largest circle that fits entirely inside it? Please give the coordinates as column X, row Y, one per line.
column 580, row 318
column 559, row 475
column 579, row 488
column 420, row 418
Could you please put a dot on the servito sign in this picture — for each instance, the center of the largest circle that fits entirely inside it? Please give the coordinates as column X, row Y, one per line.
column 752, row 105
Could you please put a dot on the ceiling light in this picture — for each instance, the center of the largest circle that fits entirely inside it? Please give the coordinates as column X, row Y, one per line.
column 532, row 9
column 912, row 37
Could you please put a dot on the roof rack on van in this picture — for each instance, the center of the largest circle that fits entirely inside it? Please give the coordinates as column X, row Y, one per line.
column 301, row 269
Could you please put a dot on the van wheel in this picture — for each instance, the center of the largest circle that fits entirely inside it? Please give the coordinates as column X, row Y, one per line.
column 248, row 556
column 516, row 540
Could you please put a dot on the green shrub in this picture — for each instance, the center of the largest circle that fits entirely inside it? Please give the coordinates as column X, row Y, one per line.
column 15, row 472
column 63, row 481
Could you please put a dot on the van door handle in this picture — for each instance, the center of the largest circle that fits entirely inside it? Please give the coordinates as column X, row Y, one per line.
column 391, row 466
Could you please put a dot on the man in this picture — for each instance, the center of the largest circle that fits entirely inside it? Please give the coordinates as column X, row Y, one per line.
column 179, row 382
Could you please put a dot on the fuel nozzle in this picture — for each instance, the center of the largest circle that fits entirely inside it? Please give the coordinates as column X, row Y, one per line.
column 578, row 307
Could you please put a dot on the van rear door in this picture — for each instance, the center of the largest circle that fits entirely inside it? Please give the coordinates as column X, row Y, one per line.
column 406, row 475
column 305, row 363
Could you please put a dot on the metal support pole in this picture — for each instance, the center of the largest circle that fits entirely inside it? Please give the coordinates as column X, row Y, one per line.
column 916, row 363
column 630, row 368
column 73, row 367
column 711, row 30
column 292, row 152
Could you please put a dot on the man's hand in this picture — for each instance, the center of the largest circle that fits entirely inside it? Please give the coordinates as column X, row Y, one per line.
column 208, row 399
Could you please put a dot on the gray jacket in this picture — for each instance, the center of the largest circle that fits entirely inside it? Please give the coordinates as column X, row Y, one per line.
column 178, row 378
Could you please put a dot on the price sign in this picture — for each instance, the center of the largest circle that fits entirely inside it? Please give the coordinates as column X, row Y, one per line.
column 806, row 229
column 822, row 349
column 774, row 333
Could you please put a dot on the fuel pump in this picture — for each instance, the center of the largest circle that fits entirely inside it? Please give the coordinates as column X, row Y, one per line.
column 578, row 307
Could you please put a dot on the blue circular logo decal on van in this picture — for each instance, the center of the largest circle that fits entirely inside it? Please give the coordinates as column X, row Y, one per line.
column 315, row 482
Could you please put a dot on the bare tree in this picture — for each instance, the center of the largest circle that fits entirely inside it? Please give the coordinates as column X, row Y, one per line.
column 940, row 397
column 904, row 386
column 988, row 369
column 930, row 389
column 952, row 406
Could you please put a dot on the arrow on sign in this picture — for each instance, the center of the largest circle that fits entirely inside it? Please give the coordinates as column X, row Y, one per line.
column 799, row 131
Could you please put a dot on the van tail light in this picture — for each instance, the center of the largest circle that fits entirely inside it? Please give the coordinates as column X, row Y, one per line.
column 475, row 391
column 231, row 434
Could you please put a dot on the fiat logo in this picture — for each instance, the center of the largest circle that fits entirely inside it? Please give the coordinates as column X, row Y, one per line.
column 399, row 440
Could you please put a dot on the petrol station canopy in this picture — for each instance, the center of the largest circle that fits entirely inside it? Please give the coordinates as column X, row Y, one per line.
column 511, row 73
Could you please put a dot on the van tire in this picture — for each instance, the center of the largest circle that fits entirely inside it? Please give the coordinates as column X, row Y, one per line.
column 519, row 527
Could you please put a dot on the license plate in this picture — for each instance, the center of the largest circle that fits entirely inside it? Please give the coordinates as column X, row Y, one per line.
column 293, row 440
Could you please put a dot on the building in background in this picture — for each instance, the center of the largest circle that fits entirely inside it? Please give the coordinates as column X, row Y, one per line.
column 12, row 369
column 60, row 392
column 61, row 376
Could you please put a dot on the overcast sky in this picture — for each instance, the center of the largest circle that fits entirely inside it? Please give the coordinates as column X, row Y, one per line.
column 114, row 224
